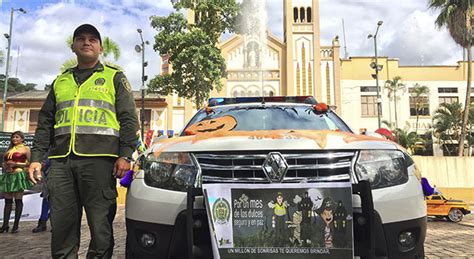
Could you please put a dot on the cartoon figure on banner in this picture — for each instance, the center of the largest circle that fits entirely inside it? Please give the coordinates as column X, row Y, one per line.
column 278, row 219
column 296, row 225
column 306, row 208
column 325, row 213
column 340, row 225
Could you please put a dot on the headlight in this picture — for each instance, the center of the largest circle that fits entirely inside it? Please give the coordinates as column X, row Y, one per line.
column 172, row 171
column 382, row 168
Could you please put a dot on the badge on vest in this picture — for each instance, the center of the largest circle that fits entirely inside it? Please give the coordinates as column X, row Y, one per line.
column 100, row 81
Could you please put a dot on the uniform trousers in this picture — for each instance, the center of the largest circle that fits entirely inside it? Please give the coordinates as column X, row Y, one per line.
column 76, row 183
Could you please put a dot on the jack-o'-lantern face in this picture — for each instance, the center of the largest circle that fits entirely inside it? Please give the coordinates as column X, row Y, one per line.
column 224, row 123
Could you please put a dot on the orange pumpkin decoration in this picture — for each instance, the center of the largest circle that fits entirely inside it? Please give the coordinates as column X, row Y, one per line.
column 224, row 123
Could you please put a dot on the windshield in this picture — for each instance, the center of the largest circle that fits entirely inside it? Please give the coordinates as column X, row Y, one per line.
column 271, row 117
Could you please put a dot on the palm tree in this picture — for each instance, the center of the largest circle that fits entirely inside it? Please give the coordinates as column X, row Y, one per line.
column 457, row 15
column 447, row 124
column 393, row 86
column 419, row 92
column 409, row 140
column 109, row 47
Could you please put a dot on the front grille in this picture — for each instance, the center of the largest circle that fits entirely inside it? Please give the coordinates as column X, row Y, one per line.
column 246, row 167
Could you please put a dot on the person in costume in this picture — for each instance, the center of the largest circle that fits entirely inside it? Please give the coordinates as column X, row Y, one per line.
column 306, row 208
column 14, row 180
column 278, row 219
column 325, row 212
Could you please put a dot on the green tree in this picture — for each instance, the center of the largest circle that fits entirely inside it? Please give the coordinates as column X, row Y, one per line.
column 393, row 86
column 109, row 46
column 419, row 93
column 15, row 85
column 447, row 124
column 196, row 61
column 457, row 16
column 408, row 139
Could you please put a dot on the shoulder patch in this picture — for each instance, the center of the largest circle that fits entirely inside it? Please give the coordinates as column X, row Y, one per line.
column 126, row 84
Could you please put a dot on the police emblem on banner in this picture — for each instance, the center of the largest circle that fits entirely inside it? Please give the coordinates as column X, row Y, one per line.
column 126, row 84
column 100, row 81
column 221, row 211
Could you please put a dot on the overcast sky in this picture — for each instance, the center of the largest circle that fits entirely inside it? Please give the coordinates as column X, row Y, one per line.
column 408, row 32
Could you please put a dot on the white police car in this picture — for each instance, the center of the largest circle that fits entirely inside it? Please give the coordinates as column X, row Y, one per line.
column 229, row 141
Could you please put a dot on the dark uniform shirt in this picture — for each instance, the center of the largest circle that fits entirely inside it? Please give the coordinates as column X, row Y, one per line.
column 124, row 106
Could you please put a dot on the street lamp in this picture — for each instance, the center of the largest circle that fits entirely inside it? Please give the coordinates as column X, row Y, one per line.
column 377, row 68
column 138, row 49
column 5, row 88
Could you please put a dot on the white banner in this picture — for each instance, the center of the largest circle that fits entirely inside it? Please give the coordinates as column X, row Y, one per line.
column 31, row 208
column 301, row 220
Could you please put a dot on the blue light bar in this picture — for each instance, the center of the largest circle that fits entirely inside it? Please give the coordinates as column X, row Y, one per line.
column 274, row 99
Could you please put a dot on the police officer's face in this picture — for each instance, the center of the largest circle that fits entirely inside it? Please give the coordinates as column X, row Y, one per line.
column 87, row 47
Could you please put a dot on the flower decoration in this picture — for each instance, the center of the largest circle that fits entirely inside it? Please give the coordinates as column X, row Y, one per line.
column 320, row 108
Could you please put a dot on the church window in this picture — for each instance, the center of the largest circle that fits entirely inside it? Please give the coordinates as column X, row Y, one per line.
column 308, row 14
column 310, row 79
column 328, row 84
column 298, row 78
column 295, row 14
column 303, row 70
column 302, row 14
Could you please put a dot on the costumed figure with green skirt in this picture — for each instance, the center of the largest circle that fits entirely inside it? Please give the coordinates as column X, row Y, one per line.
column 14, row 181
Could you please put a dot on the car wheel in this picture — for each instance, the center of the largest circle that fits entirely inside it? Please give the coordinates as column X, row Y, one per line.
column 455, row 215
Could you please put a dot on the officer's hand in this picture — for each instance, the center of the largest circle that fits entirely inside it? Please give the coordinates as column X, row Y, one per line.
column 121, row 167
column 34, row 172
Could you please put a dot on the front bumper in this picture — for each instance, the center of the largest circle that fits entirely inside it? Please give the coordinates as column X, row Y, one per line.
column 162, row 213
column 171, row 239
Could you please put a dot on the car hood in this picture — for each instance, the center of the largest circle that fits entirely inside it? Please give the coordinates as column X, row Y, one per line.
column 271, row 140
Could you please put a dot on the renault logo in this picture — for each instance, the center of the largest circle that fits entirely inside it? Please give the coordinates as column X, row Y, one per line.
column 275, row 167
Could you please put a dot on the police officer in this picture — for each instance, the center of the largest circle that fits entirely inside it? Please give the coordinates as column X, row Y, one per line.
column 89, row 122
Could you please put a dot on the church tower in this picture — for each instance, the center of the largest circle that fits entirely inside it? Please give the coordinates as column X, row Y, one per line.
column 303, row 50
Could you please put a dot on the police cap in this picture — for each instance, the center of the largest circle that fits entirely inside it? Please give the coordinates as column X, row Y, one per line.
column 89, row 29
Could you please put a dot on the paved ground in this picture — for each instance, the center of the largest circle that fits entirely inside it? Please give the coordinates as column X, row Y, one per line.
column 444, row 240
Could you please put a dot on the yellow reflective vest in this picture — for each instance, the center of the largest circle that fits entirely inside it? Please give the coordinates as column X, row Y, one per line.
column 85, row 119
column 280, row 210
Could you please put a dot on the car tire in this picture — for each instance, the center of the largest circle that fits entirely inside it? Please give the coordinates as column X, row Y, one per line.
column 455, row 215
